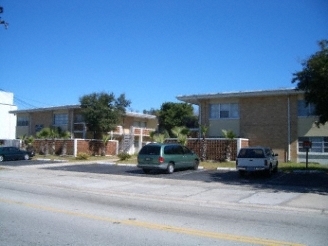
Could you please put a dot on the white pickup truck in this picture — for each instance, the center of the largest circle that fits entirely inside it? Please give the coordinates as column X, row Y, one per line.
column 252, row 159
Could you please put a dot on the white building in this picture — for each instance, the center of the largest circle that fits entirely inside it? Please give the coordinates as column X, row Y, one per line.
column 7, row 120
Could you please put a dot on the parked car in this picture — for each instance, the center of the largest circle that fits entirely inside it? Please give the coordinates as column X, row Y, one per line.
column 252, row 159
column 14, row 153
column 166, row 157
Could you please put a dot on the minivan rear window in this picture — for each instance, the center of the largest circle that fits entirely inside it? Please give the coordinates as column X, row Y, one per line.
column 150, row 150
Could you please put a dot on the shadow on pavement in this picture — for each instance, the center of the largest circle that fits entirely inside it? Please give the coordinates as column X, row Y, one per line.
column 305, row 182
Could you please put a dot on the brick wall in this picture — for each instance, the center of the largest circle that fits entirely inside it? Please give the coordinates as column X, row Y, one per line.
column 265, row 122
column 91, row 147
column 216, row 149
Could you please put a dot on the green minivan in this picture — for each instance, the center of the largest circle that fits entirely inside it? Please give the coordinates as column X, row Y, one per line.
column 168, row 157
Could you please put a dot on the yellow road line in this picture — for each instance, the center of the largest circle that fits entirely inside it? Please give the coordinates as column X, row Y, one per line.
column 160, row 227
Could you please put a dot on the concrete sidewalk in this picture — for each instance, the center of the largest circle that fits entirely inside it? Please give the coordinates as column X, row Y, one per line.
column 195, row 192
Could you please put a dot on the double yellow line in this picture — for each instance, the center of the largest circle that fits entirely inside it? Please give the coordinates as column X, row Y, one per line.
column 160, row 227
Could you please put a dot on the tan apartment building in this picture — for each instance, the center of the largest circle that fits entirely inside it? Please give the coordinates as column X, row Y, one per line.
column 279, row 119
column 132, row 133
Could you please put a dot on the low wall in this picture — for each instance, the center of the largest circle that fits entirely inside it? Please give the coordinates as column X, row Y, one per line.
column 217, row 149
column 74, row 146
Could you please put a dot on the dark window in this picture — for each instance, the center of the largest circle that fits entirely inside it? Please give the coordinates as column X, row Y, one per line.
column 173, row 150
column 251, row 153
column 318, row 144
column 22, row 121
column 305, row 110
column 150, row 150
column 186, row 150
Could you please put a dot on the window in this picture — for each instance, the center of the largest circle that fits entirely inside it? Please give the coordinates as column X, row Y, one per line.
column 60, row 119
column 303, row 110
column 319, row 144
column 38, row 127
column 22, row 121
column 141, row 124
column 78, row 118
column 224, row 111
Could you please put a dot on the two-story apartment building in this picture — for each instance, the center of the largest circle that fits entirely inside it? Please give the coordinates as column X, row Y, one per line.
column 275, row 118
column 133, row 131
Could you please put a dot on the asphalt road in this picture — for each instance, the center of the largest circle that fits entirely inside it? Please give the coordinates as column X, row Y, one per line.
column 48, row 203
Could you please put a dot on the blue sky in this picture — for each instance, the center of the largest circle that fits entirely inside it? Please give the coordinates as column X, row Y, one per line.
column 56, row 51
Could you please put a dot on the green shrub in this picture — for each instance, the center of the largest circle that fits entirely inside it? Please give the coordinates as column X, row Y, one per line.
column 124, row 156
column 82, row 156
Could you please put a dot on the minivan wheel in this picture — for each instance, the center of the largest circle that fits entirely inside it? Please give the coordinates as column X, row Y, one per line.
column 196, row 164
column 170, row 168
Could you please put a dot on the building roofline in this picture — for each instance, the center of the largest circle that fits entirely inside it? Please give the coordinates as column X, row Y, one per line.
column 77, row 106
column 194, row 99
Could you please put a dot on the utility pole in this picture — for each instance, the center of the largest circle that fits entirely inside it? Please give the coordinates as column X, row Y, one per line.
column 2, row 22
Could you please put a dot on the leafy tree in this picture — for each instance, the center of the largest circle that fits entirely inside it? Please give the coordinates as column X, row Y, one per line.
column 176, row 114
column 103, row 112
column 313, row 79
column 152, row 111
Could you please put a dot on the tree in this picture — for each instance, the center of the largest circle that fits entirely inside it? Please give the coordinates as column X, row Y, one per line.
column 204, row 130
column 230, row 135
column 152, row 111
column 103, row 112
column 313, row 79
column 181, row 133
column 176, row 114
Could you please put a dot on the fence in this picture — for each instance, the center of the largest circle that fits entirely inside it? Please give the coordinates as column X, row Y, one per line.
column 75, row 146
column 218, row 149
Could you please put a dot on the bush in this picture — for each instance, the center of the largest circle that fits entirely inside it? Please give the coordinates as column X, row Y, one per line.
column 82, row 156
column 124, row 156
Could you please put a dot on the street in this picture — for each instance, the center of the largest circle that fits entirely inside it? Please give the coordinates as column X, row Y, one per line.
column 99, row 204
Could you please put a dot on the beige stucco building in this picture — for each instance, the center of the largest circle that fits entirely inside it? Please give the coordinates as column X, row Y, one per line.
column 132, row 133
column 275, row 118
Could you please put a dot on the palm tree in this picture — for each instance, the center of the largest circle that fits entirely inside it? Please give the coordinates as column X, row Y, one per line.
column 230, row 135
column 27, row 142
column 157, row 137
column 44, row 134
column 181, row 134
column 105, row 139
column 64, row 135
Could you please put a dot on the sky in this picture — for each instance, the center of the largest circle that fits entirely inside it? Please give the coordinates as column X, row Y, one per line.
column 56, row 51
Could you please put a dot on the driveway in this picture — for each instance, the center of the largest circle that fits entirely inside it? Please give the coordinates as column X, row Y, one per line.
column 314, row 182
